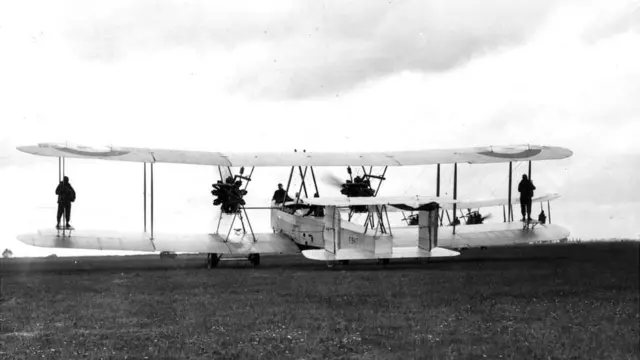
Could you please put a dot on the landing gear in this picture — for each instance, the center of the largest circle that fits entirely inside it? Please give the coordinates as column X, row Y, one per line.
column 212, row 260
column 254, row 259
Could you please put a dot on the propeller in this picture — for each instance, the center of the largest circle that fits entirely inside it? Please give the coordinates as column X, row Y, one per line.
column 332, row 180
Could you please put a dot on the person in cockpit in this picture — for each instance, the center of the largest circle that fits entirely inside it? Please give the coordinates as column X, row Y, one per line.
column 280, row 195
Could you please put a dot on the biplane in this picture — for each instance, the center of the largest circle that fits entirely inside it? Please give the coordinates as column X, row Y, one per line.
column 313, row 225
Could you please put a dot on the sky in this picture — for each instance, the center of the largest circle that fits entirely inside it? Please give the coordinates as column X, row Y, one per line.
column 323, row 76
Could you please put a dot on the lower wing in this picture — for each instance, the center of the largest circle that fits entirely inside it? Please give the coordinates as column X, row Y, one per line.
column 267, row 243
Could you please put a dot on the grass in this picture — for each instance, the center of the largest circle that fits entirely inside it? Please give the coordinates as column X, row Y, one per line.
column 562, row 301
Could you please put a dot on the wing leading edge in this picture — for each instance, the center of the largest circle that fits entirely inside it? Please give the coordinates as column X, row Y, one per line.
column 471, row 155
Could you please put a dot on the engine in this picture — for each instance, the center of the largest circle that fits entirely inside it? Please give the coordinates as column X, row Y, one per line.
column 359, row 187
column 228, row 195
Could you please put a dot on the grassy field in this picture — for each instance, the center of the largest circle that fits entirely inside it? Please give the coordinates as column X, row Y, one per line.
column 569, row 301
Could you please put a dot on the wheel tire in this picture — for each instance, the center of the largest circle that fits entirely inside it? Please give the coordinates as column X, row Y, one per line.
column 212, row 260
column 255, row 259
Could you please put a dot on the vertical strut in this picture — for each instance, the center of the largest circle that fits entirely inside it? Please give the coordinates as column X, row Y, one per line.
column 438, row 181
column 288, row 185
column 303, row 185
column 380, row 182
column 144, row 192
column 231, row 226
column 246, row 184
column 59, row 169
column 549, row 211
column 438, row 190
column 151, row 166
column 249, row 223
column 64, row 165
column 455, row 194
column 387, row 216
column 510, row 212
column 529, row 170
column 314, row 180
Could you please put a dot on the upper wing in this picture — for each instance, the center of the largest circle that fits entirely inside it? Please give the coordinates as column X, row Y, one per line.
column 472, row 155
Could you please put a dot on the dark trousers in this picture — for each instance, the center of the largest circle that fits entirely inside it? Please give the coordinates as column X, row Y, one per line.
column 66, row 209
column 525, row 207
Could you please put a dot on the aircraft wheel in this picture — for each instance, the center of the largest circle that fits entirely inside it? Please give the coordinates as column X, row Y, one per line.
column 212, row 260
column 254, row 259
column 344, row 262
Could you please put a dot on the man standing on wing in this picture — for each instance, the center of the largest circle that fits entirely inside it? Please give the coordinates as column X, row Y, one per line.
column 526, row 188
column 66, row 195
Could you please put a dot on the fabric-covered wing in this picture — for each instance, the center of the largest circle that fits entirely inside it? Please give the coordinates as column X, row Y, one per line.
column 497, row 202
column 416, row 202
column 472, row 155
column 268, row 243
column 413, row 202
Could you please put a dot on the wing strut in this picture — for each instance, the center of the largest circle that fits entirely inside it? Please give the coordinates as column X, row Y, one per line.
column 455, row 194
column 144, row 194
column 151, row 168
column 510, row 213
column 441, row 216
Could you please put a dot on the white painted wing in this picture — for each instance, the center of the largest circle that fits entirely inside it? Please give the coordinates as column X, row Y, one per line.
column 268, row 243
column 396, row 253
column 413, row 201
column 464, row 204
column 483, row 235
column 472, row 155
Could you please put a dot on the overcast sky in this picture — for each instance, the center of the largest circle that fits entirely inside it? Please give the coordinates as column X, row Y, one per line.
column 320, row 75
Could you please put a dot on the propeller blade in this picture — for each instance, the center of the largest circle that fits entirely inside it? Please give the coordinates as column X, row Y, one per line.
column 332, row 180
